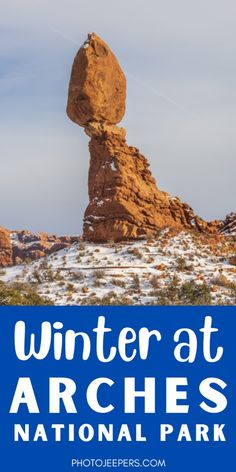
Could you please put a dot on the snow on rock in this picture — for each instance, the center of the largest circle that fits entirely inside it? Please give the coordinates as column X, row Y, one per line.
column 171, row 269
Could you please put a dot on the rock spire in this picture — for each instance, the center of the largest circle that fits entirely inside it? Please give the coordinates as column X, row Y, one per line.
column 124, row 201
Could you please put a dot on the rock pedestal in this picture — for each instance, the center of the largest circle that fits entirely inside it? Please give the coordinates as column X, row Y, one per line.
column 124, row 201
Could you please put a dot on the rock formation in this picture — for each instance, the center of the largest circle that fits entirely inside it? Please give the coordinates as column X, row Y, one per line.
column 5, row 248
column 97, row 89
column 17, row 247
column 124, row 201
column 228, row 226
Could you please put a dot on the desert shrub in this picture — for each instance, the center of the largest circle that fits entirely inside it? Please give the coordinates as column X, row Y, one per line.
column 99, row 274
column 192, row 293
column 233, row 294
column 97, row 283
column 58, row 276
column 135, row 252
column 136, row 282
column 20, row 294
column 124, row 300
column 78, row 276
column 182, row 265
column 49, row 275
column 154, row 281
column 189, row 293
column 110, row 299
column 169, row 295
column 118, row 283
column 36, row 275
column 175, row 280
column 43, row 264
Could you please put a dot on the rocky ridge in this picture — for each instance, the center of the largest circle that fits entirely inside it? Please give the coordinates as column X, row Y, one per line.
column 228, row 226
column 17, row 247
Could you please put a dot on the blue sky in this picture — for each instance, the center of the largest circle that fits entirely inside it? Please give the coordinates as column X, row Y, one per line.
column 179, row 59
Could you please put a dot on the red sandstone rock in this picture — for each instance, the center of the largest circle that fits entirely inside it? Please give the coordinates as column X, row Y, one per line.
column 97, row 88
column 17, row 247
column 232, row 260
column 124, row 201
column 5, row 248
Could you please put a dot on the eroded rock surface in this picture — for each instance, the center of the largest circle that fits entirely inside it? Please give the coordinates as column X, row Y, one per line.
column 97, row 89
column 228, row 226
column 124, row 201
column 5, row 248
column 17, row 247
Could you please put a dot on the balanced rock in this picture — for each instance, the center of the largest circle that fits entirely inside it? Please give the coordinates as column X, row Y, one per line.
column 124, row 201
column 97, row 89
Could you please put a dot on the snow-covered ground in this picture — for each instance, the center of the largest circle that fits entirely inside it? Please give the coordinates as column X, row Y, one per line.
column 175, row 269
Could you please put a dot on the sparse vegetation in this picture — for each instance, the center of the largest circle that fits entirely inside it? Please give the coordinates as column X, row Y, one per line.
column 183, row 265
column 20, row 294
column 192, row 293
column 136, row 282
column 135, row 252
column 175, row 269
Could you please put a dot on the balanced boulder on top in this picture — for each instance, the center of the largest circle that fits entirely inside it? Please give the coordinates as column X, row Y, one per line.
column 97, row 89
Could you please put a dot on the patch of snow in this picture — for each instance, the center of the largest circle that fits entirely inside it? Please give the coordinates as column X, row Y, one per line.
column 94, row 217
column 107, row 268
column 14, row 238
column 113, row 166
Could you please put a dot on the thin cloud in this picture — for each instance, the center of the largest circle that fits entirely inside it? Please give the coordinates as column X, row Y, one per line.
column 158, row 93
